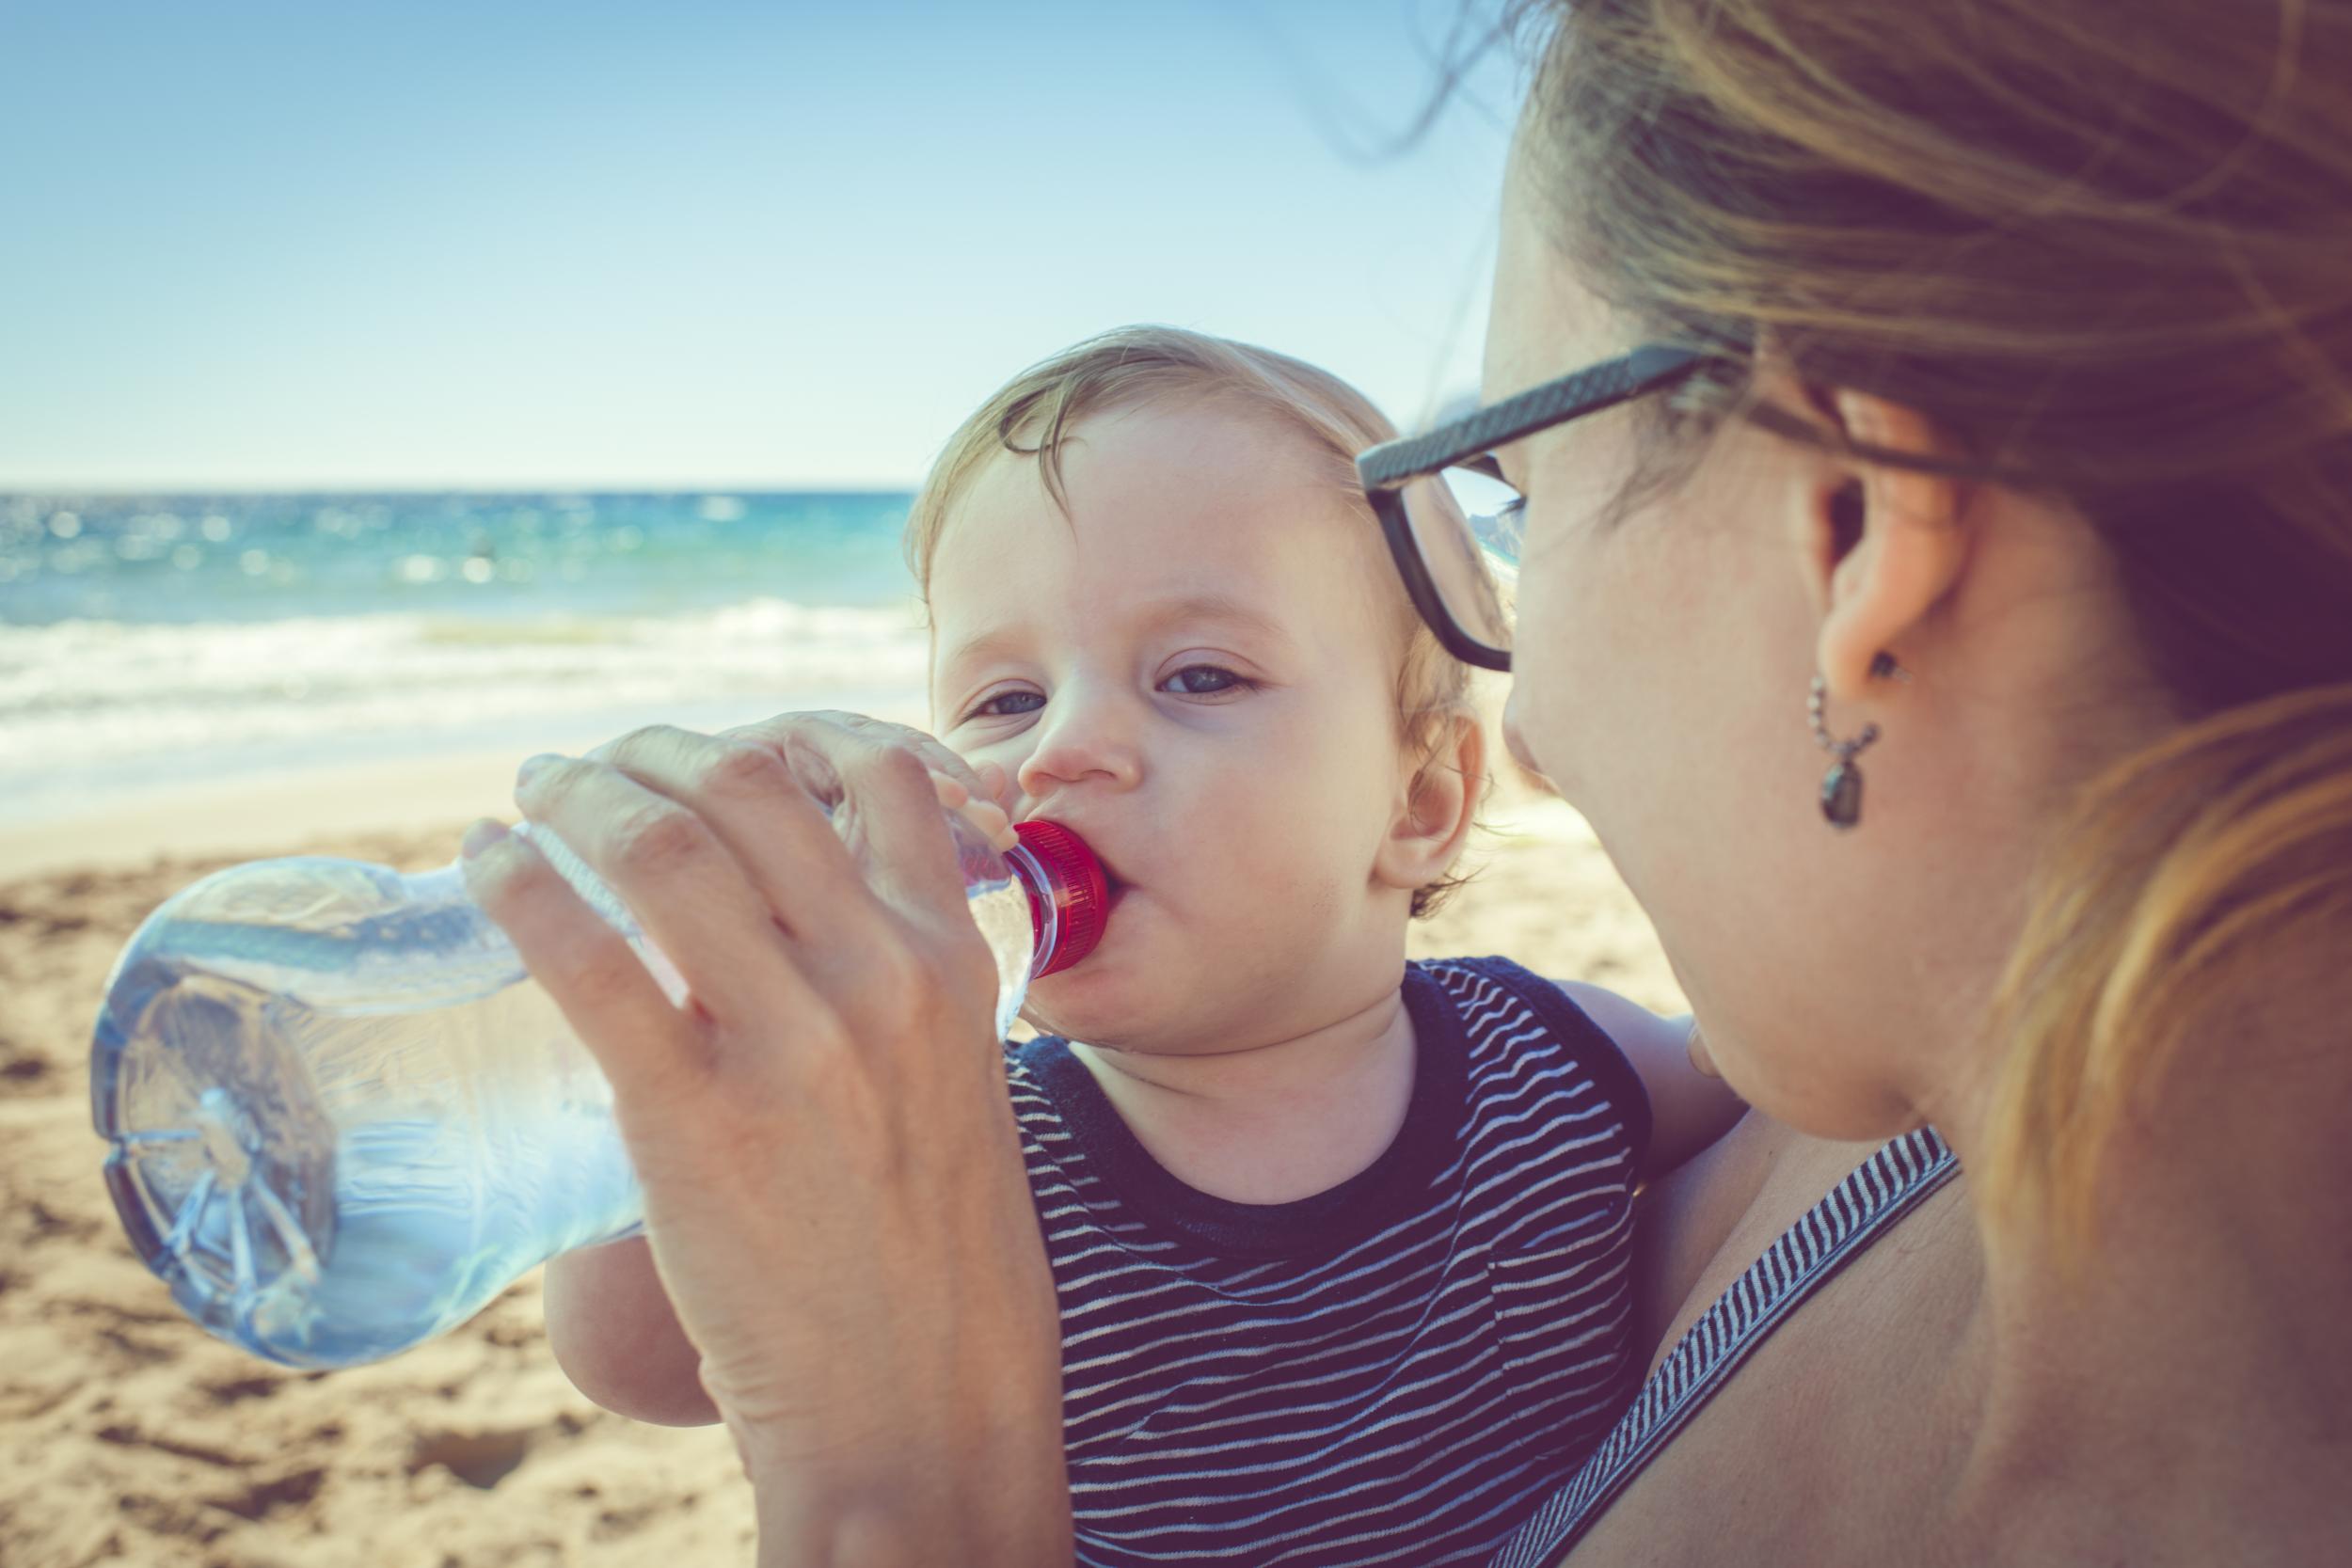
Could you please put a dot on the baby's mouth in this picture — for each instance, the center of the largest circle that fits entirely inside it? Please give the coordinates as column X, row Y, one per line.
column 1114, row 885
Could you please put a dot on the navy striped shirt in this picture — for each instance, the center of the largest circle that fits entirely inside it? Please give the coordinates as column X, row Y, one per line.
column 1390, row 1371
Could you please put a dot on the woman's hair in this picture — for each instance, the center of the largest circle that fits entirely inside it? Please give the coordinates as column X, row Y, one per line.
column 2108, row 250
column 1034, row 412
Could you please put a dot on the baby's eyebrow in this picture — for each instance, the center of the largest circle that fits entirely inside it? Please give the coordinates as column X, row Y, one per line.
column 987, row 646
column 1001, row 640
column 1217, row 606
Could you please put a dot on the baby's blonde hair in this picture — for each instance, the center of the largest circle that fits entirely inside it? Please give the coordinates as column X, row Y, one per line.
column 1032, row 416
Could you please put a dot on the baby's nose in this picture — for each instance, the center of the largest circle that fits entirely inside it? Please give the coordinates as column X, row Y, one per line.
column 1064, row 759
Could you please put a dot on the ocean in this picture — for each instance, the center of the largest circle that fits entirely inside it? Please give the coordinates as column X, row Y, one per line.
column 151, row 641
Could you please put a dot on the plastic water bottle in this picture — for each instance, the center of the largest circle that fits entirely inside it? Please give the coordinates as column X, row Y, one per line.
column 342, row 1117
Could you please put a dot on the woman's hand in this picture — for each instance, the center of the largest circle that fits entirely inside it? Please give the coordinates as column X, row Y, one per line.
column 982, row 795
column 834, row 1184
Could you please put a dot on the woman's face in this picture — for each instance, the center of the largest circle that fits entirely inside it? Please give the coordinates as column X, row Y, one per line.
column 1663, row 661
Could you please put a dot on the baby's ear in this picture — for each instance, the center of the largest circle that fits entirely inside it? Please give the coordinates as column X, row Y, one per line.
column 1436, row 803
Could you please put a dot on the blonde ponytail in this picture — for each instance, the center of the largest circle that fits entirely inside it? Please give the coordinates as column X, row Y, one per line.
column 2182, row 872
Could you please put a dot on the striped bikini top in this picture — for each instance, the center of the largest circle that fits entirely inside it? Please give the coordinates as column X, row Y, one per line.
column 1858, row 1211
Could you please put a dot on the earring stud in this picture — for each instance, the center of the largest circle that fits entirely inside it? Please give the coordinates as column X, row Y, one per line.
column 1841, row 786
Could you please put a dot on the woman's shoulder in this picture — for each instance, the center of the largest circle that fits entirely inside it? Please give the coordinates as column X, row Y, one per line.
column 1827, row 1435
column 1782, row 1340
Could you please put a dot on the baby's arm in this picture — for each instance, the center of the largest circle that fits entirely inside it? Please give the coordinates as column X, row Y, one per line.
column 1688, row 1109
column 618, row 1339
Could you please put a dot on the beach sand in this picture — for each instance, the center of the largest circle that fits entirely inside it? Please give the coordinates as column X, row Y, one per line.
column 129, row 1435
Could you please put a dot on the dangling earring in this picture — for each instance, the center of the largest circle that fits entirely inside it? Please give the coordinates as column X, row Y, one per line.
column 1841, row 786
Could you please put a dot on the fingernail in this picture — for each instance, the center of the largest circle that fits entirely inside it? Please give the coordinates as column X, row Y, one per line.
column 480, row 836
column 534, row 765
column 998, row 826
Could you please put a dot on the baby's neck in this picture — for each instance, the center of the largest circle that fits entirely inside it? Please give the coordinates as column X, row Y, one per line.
column 1276, row 1122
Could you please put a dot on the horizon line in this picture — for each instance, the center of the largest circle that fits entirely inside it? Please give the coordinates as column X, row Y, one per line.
column 115, row 490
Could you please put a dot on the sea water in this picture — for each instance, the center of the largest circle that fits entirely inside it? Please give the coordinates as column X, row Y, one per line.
column 148, row 642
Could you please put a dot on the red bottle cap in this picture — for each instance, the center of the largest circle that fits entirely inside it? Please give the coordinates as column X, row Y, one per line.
column 1081, row 899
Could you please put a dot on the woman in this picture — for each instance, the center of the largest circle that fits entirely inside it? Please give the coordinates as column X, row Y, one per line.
column 1996, row 446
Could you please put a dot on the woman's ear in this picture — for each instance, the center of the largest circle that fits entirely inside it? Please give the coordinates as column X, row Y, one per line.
column 1879, row 546
column 1436, row 806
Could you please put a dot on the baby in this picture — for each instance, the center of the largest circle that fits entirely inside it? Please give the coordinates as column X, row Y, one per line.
column 1341, row 1240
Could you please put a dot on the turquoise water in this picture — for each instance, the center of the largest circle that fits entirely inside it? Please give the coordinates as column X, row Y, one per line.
column 190, row 559
column 144, row 640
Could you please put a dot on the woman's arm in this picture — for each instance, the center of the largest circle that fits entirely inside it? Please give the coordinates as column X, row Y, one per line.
column 834, row 1184
column 617, row 1338
column 1689, row 1110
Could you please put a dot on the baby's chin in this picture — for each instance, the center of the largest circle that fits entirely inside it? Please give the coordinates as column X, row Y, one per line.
column 1056, row 1007
column 1106, row 1013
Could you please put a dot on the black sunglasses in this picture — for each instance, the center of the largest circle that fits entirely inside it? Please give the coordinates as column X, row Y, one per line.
column 1455, row 555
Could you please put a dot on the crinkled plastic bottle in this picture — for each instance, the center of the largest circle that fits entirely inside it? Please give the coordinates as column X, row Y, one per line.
column 341, row 1118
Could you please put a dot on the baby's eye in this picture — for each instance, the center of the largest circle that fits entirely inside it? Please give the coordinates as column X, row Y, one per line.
column 1205, row 680
column 1009, row 705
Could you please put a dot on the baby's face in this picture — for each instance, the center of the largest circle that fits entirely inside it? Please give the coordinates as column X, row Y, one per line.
column 1196, row 670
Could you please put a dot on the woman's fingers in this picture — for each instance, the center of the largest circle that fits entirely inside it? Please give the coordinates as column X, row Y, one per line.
column 783, row 843
column 986, row 817
column 879, row 779
column 934, row 752
column 833, row 1175
column 683, row 885
column 826, row 882
column 997, row 785
column 980, row 795
column 653, row 1054
column 888, row 816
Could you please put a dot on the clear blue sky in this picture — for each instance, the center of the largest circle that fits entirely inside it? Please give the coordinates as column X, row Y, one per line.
column 343, row 243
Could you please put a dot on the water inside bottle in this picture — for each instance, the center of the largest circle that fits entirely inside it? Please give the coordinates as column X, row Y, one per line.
column 341, row 1118
column 327, row 1188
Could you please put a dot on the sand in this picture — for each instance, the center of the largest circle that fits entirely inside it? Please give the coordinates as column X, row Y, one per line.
column 129, row 1435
